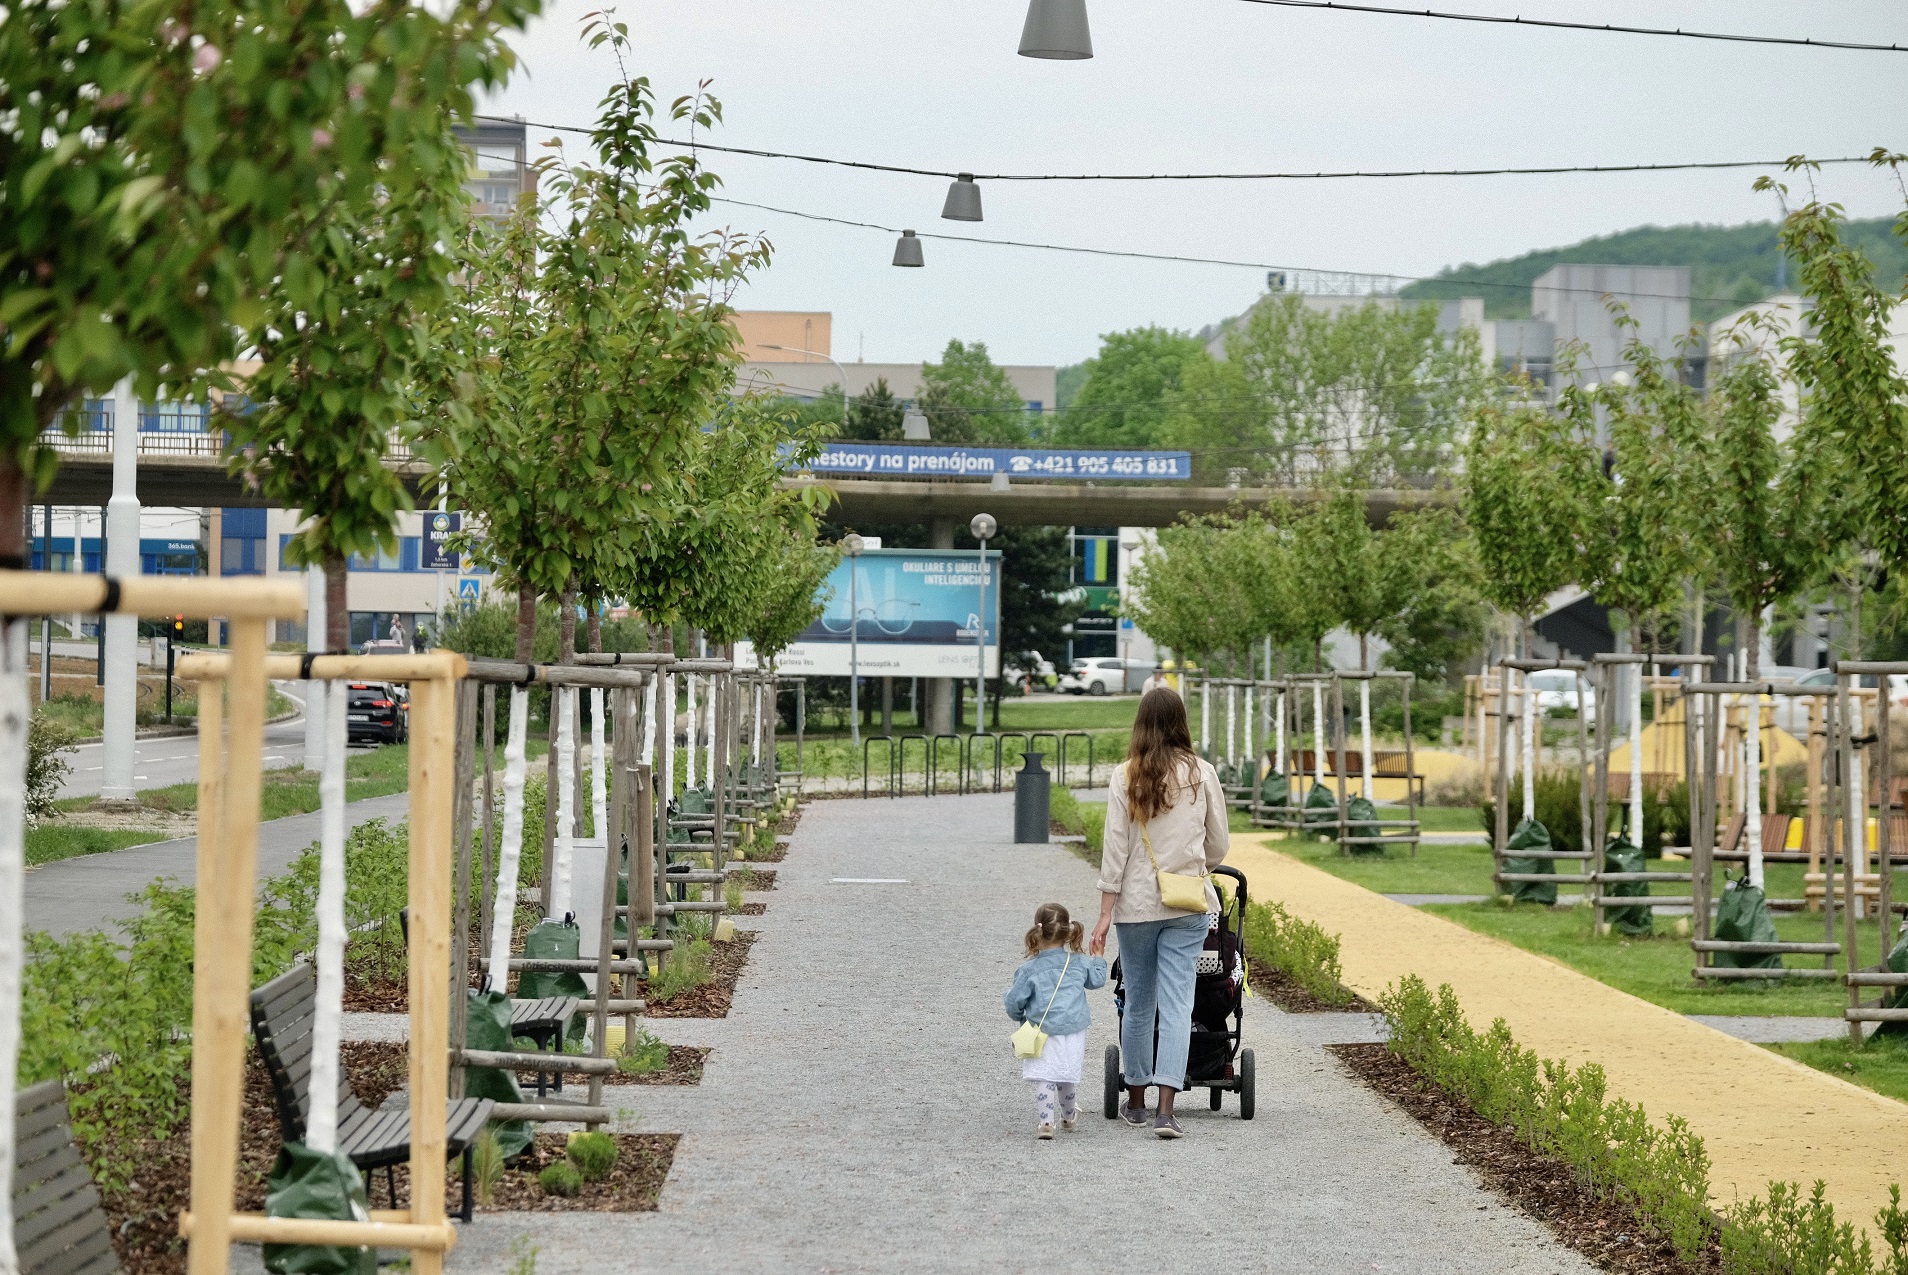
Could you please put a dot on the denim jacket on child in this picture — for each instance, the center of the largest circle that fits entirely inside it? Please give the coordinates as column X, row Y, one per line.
column 1034, row 982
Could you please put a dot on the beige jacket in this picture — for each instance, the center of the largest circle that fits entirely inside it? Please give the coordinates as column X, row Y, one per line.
column 1189, row 837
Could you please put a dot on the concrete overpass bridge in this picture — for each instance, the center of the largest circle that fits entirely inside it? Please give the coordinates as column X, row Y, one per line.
column 187, row 470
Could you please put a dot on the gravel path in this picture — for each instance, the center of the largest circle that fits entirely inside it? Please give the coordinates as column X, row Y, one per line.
column 861, row 1110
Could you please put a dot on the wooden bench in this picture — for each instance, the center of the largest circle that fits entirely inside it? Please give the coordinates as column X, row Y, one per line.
column 282, row 1013
column 59, row 1227
column 543, row 1021
column 1775, row 835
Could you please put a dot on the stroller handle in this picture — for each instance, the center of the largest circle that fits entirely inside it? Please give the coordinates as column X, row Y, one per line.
column 1239, row 877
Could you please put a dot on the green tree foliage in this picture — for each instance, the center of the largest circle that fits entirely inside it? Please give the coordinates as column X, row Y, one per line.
column 792, row 594
column 597, row 340
column 1303, row 392
column 1641, row 530
column 1729, row 266
column 1525, row 475
column 164, row 163
column 875, row 414
column 968, row 400
column 1855, row 406
column 1122, row 400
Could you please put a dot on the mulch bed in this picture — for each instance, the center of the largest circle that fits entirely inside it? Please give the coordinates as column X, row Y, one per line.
column 753, row 909
column 713, row 998
column 1606, row 1233
column 684, row 1068
column 1282, row 990
column 633, row 1186
column 755, row 878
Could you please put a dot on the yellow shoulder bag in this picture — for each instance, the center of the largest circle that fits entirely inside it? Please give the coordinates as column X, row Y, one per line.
column 1177, row 891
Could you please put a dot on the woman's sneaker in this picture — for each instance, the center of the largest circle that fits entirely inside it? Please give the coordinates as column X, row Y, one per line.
column 1167, row 1127
column 1046, row 1133
column 1070, row 1123
column 1135, row 1116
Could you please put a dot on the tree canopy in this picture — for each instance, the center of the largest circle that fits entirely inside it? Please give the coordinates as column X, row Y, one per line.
column 969, row 400
column 1124, row 396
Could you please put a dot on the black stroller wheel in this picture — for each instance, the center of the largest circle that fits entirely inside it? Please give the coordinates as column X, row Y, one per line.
column 1113, row 1085
column 1248, row 1094
column 1213, row 1098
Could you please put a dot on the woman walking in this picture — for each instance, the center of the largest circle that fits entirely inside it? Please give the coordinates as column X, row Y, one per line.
column 1165, row 817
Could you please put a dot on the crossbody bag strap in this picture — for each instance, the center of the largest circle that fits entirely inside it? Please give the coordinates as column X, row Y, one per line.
column 1056, row 991
column 1147, row 838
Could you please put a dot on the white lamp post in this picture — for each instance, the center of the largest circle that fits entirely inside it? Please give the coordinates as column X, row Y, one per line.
column 851, row 544
column 983, row 529
column 816, row 354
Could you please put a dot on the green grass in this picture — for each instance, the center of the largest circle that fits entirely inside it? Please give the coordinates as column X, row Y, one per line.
column 86, row 717
column 1657, row 968
column 1881, row 1064
column 1439, row 818
column 1438, row 869
column 1084, row 712
column 50, row 843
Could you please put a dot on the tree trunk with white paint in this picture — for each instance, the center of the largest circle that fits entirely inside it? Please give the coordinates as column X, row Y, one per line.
column 321, row 1125
column 557, row 906
column 16, row 715
column 510, row 841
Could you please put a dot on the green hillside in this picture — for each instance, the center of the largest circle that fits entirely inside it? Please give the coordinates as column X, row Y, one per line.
column 1730, row 266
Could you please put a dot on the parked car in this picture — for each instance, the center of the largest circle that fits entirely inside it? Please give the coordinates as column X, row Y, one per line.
column 1105, row 676
column 1559, row 688
column 377, row 711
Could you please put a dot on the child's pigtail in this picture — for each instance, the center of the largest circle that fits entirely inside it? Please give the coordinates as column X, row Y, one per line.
column 1075, row 934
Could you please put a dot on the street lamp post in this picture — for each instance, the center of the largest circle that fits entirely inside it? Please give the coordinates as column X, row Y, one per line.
column 851, row 544
column 983, row 529
column 817, row 354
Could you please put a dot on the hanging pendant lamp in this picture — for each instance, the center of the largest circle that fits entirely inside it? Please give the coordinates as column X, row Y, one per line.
column 907, row 250
column 963, row 200
column 1056, row 29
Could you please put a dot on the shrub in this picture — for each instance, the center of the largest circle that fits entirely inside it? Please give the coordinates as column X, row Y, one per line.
column 643, row 1053
column 1087, row 819
column 1300, row 949
column 561, row 1179
column 47, row 768
column 593, row 1154
column 684, row 969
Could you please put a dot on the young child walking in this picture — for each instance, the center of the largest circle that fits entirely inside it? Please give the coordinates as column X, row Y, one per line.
column 1049, row 991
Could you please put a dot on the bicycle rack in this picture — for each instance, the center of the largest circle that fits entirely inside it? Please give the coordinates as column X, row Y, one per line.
column 1076, row 734
column 999, row 777
column 902, row 766
column 934, row 762
column 893, row 775
column 973, row 750
column 1033, row 743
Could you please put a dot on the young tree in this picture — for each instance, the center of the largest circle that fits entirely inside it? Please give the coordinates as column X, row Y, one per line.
column 967, row 399
column 164, row 163
column 792, row 595
column 875, row 414
column 600, row 346
column 1123, row 400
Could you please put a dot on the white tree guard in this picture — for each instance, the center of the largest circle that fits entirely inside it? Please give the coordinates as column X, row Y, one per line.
column 1364, row 727
column 1857, row 806
column 16, row 714
column 1232, row 714
column 564, row 845
column 1527, row 714
column 649, row 715
column 599, row 763
column 1318, row 732
column 1278, row 748
column 510, row 842
column 1205, row 720
column 1752, row 788
column 1251, row 740
column 321, row 1125
column 1635, row 687
column 755, row 728
column 709, row 733
column 689, row 701
column 669, row 753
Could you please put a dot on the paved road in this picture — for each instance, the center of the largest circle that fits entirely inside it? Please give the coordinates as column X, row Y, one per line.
column 174, row 759
column 862, row 1112
column 89, row 892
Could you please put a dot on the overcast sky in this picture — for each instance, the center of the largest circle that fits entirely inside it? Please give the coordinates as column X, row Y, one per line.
column 1217, row 85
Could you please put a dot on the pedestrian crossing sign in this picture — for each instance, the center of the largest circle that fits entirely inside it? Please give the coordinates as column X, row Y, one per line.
column 467, row 589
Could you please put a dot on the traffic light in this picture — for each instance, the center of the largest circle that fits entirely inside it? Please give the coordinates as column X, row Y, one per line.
column 178, row 628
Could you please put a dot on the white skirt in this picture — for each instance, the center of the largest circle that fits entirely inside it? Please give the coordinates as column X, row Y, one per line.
column 1059, row 1062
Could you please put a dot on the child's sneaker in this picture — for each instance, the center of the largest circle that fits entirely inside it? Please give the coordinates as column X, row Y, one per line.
column 1070, row 1123
column 1046, row 1133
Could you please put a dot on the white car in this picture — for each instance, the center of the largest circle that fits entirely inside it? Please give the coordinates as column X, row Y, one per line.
column 1104, row 676
column 1559, row 688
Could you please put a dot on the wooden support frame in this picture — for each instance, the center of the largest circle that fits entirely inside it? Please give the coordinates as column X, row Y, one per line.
column 223, row 941
column 1500, row 834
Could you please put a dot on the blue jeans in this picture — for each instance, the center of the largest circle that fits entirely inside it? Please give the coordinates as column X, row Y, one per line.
column 1158, row 962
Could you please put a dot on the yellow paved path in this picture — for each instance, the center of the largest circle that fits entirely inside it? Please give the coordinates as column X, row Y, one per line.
column 1761, row 1115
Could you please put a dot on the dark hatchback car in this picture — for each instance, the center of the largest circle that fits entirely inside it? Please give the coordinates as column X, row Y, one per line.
column 376, row 711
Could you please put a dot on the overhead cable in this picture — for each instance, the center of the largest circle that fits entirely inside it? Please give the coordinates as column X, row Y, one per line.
column 1610, row 28
column 1294, row 175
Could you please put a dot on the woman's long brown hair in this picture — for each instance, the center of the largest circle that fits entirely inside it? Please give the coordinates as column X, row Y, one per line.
column 1160, row 758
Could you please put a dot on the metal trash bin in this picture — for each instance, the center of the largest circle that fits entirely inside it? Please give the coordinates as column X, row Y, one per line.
column 1033, row 801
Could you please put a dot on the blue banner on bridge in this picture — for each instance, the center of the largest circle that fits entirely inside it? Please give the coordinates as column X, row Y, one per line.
column 909, row 460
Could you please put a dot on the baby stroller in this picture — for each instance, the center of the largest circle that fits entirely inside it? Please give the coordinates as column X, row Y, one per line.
column 1214, row 1058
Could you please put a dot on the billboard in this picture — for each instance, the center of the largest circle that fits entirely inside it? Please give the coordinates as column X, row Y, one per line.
column 915, row 613
column 891, row 460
